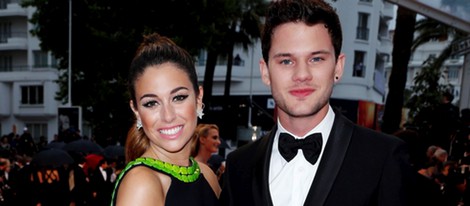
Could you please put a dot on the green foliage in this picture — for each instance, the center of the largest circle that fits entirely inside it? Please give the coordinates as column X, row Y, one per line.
column 427, row 89
column 426, row 92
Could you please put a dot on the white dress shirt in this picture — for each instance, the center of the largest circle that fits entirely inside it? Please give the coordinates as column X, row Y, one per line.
column 103, row 172
column 289, row 182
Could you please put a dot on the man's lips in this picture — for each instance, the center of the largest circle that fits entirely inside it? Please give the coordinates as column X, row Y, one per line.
column 301, row 92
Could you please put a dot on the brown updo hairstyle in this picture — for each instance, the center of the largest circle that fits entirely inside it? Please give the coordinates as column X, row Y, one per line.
column 153, row 51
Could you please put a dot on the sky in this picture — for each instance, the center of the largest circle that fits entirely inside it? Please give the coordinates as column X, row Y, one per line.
column 460, row 12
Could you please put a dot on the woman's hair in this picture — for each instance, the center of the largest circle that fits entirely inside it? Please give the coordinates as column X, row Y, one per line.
column 153, row 51
column 201, row 130
column 310, row 12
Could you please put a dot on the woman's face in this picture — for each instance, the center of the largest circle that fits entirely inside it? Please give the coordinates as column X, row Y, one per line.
column 166, row 106
column 212, row 141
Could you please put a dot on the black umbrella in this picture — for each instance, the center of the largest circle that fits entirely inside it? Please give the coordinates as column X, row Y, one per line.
column 56, row 145
column 114, row 151
column 84, row 146
column 52, row 157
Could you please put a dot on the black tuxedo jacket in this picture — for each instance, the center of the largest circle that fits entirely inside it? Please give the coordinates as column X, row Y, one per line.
column 359, row 166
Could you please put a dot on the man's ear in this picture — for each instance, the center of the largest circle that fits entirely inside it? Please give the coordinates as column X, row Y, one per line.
column 339, row 67
column 264, row 71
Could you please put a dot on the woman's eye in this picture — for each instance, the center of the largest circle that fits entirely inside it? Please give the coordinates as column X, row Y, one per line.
column 180, row 98
column 150, row 103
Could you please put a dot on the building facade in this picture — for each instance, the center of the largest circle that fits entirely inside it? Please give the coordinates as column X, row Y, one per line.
column 27, row 76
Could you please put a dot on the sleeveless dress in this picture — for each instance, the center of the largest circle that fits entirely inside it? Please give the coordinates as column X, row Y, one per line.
column 194, row 193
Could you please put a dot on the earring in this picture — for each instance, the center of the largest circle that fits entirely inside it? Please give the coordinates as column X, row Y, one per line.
column 199, row 112
column 336, row 77
column 139, row 124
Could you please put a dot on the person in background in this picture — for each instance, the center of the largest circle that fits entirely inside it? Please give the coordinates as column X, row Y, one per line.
column 26, row 144
column 206, row 142
column 100, row 182
column 445, row 122
column 79, row 181
column 313, row 155
column 166, row 100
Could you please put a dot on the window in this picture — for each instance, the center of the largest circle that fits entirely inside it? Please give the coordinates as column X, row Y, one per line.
column 5, row 63
column 54, row 62
column 238, row 61
column 453, row 73
column 37, row 130
column 359, row 65
column 201, row 58
column 3, row 4
column 32, row 95
column 362, row 26
column 40, row 59
column 5, row 31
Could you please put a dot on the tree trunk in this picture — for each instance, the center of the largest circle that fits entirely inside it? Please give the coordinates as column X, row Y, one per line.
column 209, row 78
column 401, row 53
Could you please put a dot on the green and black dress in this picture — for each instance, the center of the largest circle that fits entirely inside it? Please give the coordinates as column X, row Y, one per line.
column 188, row 186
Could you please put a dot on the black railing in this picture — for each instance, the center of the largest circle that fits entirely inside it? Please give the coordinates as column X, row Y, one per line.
column 362, row 33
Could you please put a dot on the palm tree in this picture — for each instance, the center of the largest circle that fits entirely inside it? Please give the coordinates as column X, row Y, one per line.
column 401, row 53
column 237, row 24
column 426, row 92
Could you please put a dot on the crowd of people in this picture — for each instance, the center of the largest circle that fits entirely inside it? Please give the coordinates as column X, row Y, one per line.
column 442, row 161
column 84, row 178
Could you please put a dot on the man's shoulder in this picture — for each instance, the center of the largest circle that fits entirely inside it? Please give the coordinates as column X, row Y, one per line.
column 376, row 135
column 246, row 149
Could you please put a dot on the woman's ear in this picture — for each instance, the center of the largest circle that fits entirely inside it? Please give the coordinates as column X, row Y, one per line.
column 199, row 97
column 134, row 110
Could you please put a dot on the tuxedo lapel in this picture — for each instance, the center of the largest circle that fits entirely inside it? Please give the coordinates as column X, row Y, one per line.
column 262, row 159
column 331, row 161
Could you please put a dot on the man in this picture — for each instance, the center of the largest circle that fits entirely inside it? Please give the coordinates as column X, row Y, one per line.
column 101, row 185
column 302, row 60
column 445, row 122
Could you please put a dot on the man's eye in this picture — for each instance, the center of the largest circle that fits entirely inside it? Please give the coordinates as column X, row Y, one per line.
column 180, row 98
column 317, row 59
column 286, row 61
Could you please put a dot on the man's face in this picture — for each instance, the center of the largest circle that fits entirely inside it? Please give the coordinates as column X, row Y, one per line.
column 302, row 69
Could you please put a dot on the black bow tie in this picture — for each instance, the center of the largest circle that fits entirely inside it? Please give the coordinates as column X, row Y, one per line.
column 311, row 146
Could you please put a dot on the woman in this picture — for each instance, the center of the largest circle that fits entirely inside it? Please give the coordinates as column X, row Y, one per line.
column 166, row 101
column 206, row 142
column 206, row 145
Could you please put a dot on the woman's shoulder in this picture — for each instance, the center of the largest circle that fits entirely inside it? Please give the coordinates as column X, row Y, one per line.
column 140, row 175
column 140, row 183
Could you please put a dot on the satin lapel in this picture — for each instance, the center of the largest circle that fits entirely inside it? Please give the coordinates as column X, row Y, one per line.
column 262, row 159
column 331, row 161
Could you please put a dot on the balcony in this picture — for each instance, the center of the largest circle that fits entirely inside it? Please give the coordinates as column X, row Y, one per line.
column 387, row 11
column 13, row 41
column 12, row 8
